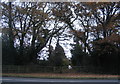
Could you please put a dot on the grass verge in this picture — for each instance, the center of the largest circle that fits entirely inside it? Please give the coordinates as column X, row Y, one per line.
column 60, row 76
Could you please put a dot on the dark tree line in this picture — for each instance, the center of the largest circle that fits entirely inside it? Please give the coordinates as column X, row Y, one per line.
column 29, row 27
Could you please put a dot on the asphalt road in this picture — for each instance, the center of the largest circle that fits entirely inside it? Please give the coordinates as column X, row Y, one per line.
column 15, row 80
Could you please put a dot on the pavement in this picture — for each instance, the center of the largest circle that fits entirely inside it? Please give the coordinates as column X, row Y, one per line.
column 18, row 80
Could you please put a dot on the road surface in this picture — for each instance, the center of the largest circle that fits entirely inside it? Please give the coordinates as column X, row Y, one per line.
column 15, row 80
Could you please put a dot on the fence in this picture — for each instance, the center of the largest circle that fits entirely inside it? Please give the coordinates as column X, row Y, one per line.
column 33, row 69
column 51, row 69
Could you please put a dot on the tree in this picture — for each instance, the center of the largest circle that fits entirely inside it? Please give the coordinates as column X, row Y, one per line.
column 105, row 55
column 106, row 18
column 77, row 55
column 31, row 29
column 105, row 32
column 7, row 59
column 58, row 57
column 8, row 35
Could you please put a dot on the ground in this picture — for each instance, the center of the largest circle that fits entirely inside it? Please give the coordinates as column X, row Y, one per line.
column 57, row 75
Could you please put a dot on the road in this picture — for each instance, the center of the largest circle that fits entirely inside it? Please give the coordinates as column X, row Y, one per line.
column 15, row 80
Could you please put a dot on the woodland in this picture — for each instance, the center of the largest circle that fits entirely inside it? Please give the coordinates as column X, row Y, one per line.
column 28, row 28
